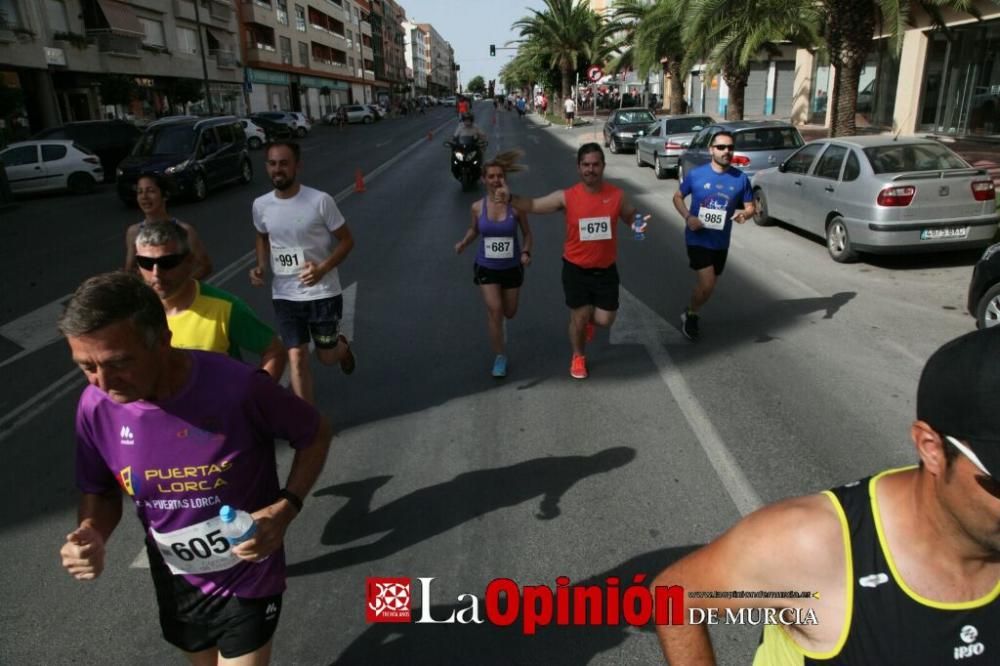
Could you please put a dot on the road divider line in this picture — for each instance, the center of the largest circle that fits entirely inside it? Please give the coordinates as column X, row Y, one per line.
column 639, row 324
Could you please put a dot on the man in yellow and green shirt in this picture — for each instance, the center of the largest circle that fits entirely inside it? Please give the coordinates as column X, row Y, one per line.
column 199, row 315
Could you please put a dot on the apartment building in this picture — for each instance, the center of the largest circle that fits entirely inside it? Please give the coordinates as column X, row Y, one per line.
column 440, row 62
column 88, row 59
column 415, row 54
column 307, row 55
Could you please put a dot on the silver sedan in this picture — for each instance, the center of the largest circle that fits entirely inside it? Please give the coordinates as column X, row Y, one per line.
column 880, row 194
column 663, row 142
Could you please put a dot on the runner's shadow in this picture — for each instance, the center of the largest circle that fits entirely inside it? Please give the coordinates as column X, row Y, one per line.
column 486, row 644
column 436, row 509
column 801, row 307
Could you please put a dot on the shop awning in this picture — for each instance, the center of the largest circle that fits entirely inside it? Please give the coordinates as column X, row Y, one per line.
column 121, row 18
column 223, row 43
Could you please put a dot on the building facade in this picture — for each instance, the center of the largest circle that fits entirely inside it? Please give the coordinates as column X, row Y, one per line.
column 142, row 59
column 307, row 55
column 415, row 53
column 440, row 62
column 942, row 82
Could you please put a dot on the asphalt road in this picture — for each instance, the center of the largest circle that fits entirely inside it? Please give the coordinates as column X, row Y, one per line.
column 804, row 378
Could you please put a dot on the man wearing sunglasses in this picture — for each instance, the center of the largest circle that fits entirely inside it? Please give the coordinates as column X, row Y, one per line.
column 199, row 315
column 904, row 566
column 720, row 195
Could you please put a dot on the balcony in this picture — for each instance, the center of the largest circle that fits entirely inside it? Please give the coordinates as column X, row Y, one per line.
column 255, row 12
column 367, row 53
column 225, row 59
column 113, row 43
column 184, row 9
column 366, row 28
column 263, row 53
column 330, row 9
column 220, row 11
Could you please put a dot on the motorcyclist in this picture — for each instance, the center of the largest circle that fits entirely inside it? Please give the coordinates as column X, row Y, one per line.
column 468, row 128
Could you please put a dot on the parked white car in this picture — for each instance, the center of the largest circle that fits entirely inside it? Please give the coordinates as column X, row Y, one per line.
column 51, row 164
column 256, row 136
column 302, row 123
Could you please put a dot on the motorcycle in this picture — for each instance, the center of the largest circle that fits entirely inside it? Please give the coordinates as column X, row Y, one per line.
column 466, row 160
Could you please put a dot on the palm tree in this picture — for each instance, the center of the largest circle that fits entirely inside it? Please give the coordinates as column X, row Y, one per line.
column 655, row 38
column 569, row 30
column 850, row 27
column 729, row 34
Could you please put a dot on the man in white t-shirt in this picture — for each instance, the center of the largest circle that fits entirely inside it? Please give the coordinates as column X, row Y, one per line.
column 570, row 107
column 303, row 237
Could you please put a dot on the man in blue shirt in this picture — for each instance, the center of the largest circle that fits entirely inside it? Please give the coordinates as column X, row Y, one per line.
column 717, row 191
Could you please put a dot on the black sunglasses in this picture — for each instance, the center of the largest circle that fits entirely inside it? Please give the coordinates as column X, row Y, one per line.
column 166, row 262
column 724, row 146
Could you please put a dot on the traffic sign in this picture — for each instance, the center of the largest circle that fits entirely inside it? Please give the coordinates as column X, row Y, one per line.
column 594, row 73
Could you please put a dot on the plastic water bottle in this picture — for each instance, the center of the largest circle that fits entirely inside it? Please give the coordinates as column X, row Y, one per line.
column 237, row 526
column 636, row 226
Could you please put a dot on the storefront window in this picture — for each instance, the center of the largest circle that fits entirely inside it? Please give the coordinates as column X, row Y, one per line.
column 820, row 89
column 961, row 87
column 877, row 87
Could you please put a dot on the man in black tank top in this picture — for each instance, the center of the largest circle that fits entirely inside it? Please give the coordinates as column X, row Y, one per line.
column 906, row 563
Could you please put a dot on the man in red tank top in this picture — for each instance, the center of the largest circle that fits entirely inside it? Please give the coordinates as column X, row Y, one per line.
column 590, row 275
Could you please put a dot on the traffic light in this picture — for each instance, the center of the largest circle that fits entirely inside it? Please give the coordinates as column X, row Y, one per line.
column 493, row 49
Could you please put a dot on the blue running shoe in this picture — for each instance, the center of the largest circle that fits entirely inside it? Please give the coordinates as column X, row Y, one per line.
column 500, row 366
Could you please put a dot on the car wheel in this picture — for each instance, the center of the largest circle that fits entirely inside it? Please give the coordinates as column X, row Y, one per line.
column 613, row 146
column 605, row 141
column 254, row 143
column 838, row 243
column 638, row 158
column 199, row 190
column 246, row 172
column 761, row 213
column 988, row 309
column 680, row 173
column 80, row 183
column 367, row 120
column 301, row 132
column 658, row 169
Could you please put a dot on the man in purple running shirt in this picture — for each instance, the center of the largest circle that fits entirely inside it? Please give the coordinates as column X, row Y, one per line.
column 183, row 433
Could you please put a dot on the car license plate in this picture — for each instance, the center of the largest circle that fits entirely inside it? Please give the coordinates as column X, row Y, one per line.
column 944, row 232
column 625, row 135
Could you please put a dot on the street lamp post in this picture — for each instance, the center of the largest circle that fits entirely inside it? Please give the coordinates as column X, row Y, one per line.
column 204, row 63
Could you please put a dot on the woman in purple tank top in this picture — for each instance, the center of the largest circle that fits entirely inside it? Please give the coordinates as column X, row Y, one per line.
column 500, row 255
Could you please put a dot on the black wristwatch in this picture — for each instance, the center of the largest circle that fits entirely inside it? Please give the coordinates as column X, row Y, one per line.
column 292, row 498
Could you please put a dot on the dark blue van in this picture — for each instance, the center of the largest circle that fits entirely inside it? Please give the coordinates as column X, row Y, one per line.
column 197, row 154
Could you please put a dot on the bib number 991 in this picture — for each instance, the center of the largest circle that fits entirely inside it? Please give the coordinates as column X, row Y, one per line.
column 201, row 548
column 287, row 260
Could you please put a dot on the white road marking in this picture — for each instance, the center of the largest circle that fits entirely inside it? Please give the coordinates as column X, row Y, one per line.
column 36, row 329
column 638, row 324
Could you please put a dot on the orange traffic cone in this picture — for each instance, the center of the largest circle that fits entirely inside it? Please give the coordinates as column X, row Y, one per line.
column 359, row 181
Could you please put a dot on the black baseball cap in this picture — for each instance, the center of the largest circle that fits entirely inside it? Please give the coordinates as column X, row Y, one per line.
column 959, row 394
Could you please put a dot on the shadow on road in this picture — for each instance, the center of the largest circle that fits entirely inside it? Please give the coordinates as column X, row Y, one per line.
column 436, row 509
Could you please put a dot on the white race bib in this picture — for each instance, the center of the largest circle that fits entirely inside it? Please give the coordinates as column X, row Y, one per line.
column 595, row 228
column 712, row 218
column 498, row 247
column 287, row 260
column 197, row 549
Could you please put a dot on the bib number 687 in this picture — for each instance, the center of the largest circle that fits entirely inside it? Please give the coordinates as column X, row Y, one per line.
column 201, row 548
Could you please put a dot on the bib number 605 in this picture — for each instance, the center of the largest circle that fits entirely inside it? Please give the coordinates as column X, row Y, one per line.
column 201, row 548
